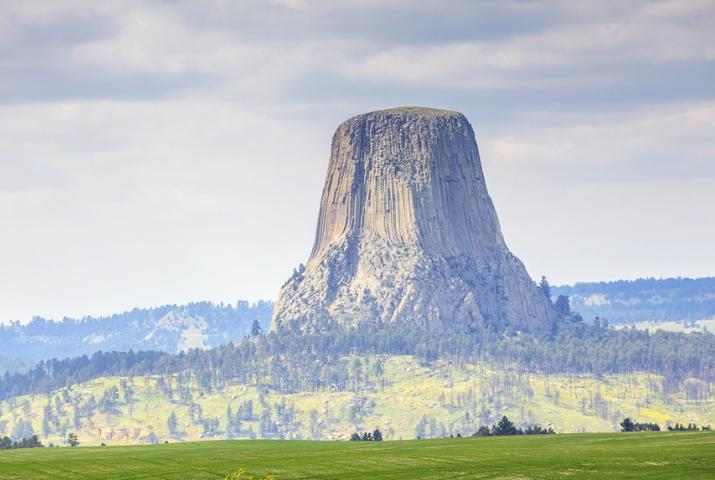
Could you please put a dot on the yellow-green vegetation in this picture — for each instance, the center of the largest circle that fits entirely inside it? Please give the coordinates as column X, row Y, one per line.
column 396, row 394
column 241, row 474
column 657, row 455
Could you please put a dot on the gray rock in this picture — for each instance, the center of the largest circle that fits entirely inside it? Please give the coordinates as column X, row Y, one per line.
column 407, row 233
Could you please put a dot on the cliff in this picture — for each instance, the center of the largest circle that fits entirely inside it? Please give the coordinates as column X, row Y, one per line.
column 407, row 233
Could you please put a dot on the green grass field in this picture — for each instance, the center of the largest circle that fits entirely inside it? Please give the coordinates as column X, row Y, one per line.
column 688, row 455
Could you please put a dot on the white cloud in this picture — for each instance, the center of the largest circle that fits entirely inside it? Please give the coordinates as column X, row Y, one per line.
column 182, row 200
column 593, row 197
column 665, row 141
column 167, row 152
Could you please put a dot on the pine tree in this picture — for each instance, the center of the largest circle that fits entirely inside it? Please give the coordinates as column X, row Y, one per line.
column 545, row 287
column 230, row 422
column 562, row 306
column 505, row 427
column 627, row 425
column 171, row 423
column 46, row 418
column 72, row 439
column 77, row 420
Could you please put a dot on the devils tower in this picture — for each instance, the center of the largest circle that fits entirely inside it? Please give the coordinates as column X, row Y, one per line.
column 408, row 234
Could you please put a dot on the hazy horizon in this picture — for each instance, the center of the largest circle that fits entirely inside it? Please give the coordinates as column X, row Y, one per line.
column 163, row 153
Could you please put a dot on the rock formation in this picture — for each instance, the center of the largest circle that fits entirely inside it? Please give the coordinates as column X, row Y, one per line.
column 407, row 233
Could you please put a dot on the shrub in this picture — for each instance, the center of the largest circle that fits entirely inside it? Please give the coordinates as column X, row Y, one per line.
column 72, row 439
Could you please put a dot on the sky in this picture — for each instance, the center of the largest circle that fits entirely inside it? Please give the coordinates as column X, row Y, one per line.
column 162, row 152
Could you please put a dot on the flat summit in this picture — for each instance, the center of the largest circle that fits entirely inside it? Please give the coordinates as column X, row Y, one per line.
column 407, row 234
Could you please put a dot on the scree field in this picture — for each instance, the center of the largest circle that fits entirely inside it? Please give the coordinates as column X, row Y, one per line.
column 688, row 455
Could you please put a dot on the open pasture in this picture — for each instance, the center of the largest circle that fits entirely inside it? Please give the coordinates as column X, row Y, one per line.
column 664, row 455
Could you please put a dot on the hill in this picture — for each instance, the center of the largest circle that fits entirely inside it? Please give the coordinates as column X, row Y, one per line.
column 408, row 381
column 401, row 395
column 170, row 328
column 663, row 456
column 680, row 300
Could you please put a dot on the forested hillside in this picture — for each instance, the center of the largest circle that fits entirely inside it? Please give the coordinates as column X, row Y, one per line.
column 643, row 300
column 409, row 381
column 169, row 328
column 400, row 395
column 294, row 363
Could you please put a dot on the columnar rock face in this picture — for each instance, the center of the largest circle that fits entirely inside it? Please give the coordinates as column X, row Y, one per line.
column 407, row 233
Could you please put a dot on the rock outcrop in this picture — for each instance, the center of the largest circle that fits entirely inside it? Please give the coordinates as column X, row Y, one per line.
column 407, row 233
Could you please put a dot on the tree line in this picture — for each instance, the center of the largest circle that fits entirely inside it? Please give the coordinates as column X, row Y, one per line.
column 290, row 362
column 628, row 425
column 375, row 436
column 507, row 427
column 30, row 442
column 690, row 427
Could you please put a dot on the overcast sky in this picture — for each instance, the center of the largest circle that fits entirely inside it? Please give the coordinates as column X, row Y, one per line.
column 166, row 152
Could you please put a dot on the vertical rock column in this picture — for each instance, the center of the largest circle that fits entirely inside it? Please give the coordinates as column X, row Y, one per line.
column 407, row 233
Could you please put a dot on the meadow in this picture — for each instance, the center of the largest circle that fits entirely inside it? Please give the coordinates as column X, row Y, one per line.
column 662, row 455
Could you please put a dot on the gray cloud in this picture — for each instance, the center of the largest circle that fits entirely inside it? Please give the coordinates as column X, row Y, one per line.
column 170, row 151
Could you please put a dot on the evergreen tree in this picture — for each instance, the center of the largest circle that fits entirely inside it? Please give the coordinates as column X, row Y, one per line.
column 23, row 429
column 627, row 425
column 152, row 438
column 545, row 287
column 77, row 421
column 420, row 429
column 171, row 423
column 46, row 417
column 72, row 439
column 128, row 391
column 505, row 427
column 562, row 306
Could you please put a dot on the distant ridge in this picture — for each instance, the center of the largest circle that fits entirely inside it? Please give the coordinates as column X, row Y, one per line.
column 172, row 328
column 644, row 299
column 169, row 328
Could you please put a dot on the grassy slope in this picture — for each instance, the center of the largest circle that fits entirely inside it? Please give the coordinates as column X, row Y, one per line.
column 412, row 391
column 663, row 455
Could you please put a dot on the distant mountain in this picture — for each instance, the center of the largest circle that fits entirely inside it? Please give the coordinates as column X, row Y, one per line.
column 169, row 328
column 643, row 300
